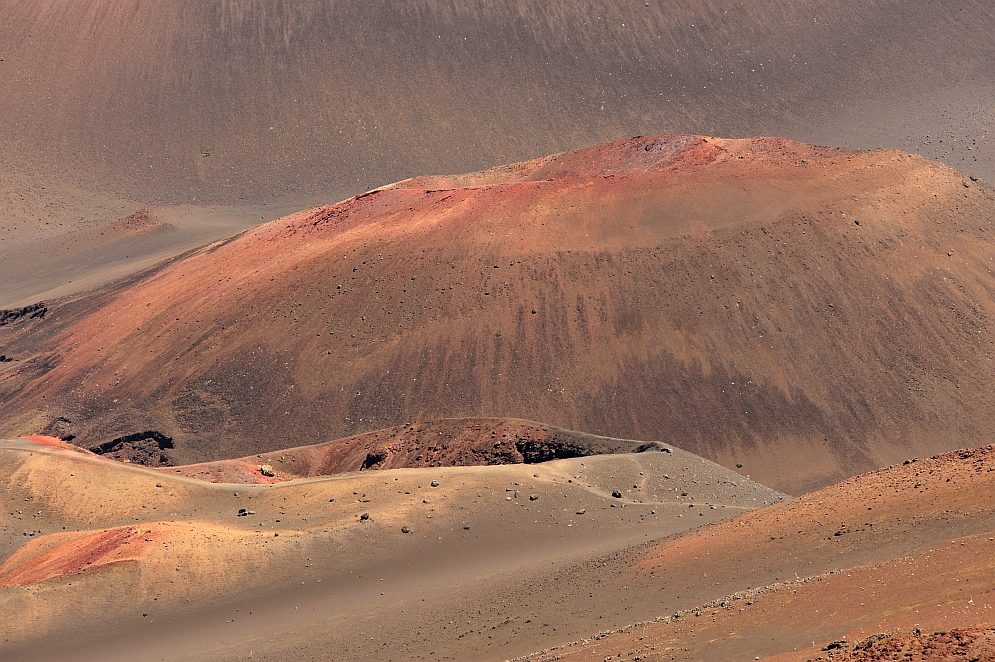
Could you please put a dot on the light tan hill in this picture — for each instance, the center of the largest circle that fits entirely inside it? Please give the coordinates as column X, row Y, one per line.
column 118, row 561
column 904, row 548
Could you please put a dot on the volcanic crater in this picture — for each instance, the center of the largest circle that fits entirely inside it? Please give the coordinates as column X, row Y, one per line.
column 746, row 300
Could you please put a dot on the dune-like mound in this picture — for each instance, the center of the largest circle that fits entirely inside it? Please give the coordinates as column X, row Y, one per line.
column 649, row 555
column 747, row 300
column 442, row 443
column 100, row 558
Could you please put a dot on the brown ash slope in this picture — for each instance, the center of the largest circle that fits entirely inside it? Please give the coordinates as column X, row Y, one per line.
column 749, row 301
column 224, row 102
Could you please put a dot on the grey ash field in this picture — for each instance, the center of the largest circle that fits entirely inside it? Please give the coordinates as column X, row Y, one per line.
column 259, row 402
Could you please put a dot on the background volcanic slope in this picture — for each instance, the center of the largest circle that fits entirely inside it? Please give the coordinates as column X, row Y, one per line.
column 746, row 300
column 455, row 442
column 46, row 265
column 201, row 109
column 104, row 560
column 98, row 124
column 906, row 546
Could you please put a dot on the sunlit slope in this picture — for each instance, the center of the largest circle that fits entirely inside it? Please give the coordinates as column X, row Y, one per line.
column 104, row 560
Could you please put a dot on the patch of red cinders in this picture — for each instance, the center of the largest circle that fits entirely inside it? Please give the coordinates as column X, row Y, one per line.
column 239, row 471
column 54, row 441
column 61, row 554
column 961, row 644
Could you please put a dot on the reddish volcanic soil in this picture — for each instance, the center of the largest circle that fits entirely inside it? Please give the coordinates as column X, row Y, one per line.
column 70, row 553
column 746, row 300
column 967, row 644
column 384, row 91
column 492, row 562
column 54, row 442
column 444, row 443
column 549, row 410
column 904, row 547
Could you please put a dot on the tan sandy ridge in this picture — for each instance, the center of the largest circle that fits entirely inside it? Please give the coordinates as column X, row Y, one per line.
column 129, row 547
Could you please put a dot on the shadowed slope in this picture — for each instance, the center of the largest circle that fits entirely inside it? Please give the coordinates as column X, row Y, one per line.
column 746, row 300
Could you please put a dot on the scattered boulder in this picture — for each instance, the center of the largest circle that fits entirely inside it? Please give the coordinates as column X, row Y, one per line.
column 616, row 494
column 405, row 529
column 434, row 483
column 266, row 470
column 34, row 311
column 364, row 517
